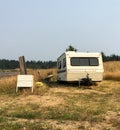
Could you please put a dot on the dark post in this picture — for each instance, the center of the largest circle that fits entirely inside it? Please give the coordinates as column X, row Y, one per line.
column 22, row 65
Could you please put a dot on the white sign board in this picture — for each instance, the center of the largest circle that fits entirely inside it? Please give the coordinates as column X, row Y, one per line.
column 25, row 81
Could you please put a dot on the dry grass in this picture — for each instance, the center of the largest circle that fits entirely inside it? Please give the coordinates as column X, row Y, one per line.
column 8, row 84
column 112, row 66
column 61, row 107
column 41, row 74
column 112, row 76
column 112, row 70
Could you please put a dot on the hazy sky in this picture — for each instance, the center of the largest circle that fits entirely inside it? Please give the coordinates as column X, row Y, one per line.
column 43, row 29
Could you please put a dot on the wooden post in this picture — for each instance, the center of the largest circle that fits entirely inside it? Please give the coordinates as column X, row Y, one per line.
column 22, row 65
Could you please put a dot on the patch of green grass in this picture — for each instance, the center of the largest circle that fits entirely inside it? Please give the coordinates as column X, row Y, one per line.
column 25, row 113
column 60, row 114
column 2, row 119
column 38, row 126
column 75, row 113
column 10, row 126
column 3, row 110
column 25, row 125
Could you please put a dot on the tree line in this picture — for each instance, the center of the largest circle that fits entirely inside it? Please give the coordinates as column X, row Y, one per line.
column 13, row 64
column 112, row 57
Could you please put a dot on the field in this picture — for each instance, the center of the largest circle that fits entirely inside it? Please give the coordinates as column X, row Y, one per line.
column 54, row 106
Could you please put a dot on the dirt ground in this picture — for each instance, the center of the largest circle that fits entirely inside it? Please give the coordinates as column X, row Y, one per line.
column 51, row 99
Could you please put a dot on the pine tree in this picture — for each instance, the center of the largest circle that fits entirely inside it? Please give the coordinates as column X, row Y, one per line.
column 71, row 48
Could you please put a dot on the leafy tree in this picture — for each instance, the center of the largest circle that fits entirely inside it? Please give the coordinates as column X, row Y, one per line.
column 71, row 48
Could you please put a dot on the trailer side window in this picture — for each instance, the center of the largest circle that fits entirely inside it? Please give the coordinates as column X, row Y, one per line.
column 84, row 61
column 94, row 62
column 64, row 62
column 59, row 64
column 75, row 61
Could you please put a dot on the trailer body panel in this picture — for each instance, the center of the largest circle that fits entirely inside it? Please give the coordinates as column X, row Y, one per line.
column 74, row 66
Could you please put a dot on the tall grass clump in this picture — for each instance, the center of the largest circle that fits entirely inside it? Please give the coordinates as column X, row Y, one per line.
column 112, row 70
column 8, row 84
column 41, row 74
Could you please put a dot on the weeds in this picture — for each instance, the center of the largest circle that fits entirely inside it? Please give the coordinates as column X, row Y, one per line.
column 24, row 110
column 11, row 126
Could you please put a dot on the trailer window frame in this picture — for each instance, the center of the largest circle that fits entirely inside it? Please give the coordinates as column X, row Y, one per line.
column 84, row 61
column 59, row 65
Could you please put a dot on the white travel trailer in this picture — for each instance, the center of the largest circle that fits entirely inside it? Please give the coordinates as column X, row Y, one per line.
column 75, row 66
